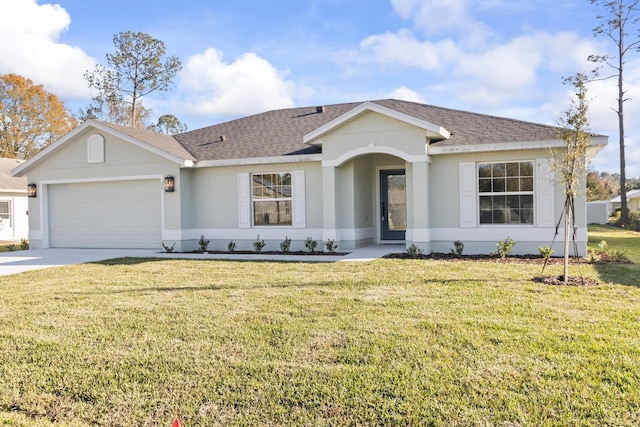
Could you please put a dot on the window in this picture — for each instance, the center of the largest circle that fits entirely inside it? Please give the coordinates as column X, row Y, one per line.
column 506, row 193
column 271, row 197
column 5, row 214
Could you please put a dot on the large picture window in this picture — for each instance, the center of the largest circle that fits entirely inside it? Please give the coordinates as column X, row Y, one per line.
column 506, row 192
column 271, row 197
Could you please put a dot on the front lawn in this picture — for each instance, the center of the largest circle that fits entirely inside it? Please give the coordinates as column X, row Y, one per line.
column 390, row 342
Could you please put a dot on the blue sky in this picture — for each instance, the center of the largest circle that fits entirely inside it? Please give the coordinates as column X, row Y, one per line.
column 241, row 57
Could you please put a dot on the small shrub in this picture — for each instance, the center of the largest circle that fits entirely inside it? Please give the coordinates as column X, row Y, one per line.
column 231, row 246
column 203, row 244
column 505, row 247
column 259, row 244
column 331, row 245
column 168, row 249
column 11, row 247
column 285, row 245
column 458, row 248
column 310, row 244
column 606, row 254
column 24, row 244
column 545, row 252
column 414, row 251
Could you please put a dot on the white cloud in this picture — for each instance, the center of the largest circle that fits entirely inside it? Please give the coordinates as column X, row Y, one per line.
column 250, row 84
column 406, row 94
column 29, row 46
column 402, row 48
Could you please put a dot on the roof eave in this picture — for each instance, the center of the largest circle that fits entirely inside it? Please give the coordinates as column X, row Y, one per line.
column 597, row 144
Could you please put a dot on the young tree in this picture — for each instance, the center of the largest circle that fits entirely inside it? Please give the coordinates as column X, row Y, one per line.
column 622, row 17
column 137, row 68
column 169, row 124
column 30, row 117
column 569, row 165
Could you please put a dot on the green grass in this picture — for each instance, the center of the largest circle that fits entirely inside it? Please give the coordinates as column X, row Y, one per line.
column 391, row 342
column 628, row 241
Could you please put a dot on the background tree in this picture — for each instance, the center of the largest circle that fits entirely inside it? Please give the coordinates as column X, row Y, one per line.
column 169, row 124
column 569, row 165
column 30, row 117
column 621, row 18
column 137, row 68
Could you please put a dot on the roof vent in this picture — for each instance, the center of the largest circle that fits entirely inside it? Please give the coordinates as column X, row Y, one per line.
column 320, row 109
column 223, row 138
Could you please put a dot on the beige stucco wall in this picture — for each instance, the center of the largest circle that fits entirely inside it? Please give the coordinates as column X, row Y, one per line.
column 377, row 130
column 444, row 202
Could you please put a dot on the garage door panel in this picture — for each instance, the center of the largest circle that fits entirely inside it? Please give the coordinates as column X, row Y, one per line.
column 122, row 214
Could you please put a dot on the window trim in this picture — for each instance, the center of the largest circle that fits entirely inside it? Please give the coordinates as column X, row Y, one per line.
column 531, row 193
column 271, row 199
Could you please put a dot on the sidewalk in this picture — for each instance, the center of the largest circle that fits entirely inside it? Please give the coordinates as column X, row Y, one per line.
column 35, row 259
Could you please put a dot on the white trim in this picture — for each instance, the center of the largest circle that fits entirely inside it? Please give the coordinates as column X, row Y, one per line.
column 418, row 235
column 259, row 161
column 375, row 149
column 15, row 191
column 468, row 194
column 493, row 234
column 433, row 131
column 95, row 148
column 501, row 146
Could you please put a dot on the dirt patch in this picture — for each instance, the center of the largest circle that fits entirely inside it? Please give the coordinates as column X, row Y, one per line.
column 269, row 253
column 577, row 281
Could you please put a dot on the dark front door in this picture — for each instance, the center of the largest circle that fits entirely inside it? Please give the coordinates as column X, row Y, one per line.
column 393, row 204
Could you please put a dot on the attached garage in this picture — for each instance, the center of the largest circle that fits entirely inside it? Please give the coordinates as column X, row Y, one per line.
column 111, row 214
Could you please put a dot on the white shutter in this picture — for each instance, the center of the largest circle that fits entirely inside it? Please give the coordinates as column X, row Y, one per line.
column 545, row 212
column 468, row 210
column 244, row 201
column 298, row 202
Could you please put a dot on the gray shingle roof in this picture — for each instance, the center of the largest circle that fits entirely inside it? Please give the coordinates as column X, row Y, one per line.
column 7, row 181
column 166, row 143
column 280, row 132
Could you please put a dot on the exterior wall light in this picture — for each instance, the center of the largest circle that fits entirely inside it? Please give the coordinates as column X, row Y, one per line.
column 169, row 184
column 32, row 190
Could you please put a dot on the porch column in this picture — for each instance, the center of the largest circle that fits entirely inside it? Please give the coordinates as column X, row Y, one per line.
column 328, row 203
column 421, row 223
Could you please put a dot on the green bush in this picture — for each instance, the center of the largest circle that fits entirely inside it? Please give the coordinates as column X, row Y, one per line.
column 545, row 252
column 414, row 251
column 458, row 248
column 310, row 244
column 203, row 244
column 505, row 247
column 231, row 246
column 285, row 245
column 606, row 254
column 331, row 245
column 168, row 249
column 259, row 244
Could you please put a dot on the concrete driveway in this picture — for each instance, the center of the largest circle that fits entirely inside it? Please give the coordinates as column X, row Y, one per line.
column 35, row 259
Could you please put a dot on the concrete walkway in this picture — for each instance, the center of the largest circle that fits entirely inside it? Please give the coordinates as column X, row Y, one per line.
column 35, row 259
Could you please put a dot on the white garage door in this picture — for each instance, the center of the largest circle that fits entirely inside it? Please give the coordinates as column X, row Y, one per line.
column 119, row 214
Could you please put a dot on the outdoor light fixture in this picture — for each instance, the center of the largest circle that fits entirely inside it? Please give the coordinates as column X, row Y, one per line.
column 32, row 190
column 169, row 184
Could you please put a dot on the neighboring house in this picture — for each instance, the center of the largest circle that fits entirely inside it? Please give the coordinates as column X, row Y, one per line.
column 633, row 201
column 14, row 220
column 362, row 173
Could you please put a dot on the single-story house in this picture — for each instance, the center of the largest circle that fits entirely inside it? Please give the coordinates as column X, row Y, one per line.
column 14, row 222
column 633, row 201
column 361, row 173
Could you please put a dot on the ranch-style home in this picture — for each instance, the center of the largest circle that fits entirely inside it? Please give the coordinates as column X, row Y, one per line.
column 361, row 173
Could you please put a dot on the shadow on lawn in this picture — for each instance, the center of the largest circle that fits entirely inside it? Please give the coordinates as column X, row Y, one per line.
column 620, row 274
column 136, row 261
